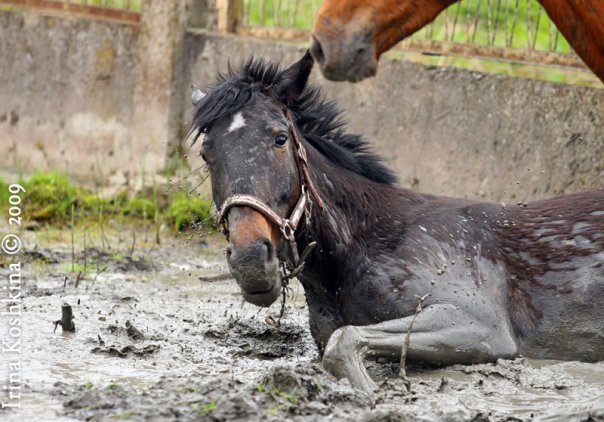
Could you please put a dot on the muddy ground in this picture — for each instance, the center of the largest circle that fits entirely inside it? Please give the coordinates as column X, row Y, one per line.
column 196, row 351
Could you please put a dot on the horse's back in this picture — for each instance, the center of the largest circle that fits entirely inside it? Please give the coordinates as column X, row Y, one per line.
column 555, row 259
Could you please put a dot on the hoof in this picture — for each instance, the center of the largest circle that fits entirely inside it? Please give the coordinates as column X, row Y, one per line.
column 343, row 358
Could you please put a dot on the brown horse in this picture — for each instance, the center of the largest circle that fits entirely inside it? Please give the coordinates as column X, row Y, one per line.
column 496, row 281
column 350, row 35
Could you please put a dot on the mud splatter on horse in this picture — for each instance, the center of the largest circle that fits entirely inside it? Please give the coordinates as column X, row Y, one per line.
column 503, row 280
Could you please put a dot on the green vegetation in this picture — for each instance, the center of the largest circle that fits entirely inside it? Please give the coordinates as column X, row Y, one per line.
column 123, row 415
column 283, row 400
column 4, row 193
column 516, row 24
column 206, row 407
column 183, row 209
column 506, row 24
column 281, row 13
column 49, row 197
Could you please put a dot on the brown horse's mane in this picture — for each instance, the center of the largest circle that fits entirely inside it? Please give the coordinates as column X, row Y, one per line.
column 318, row 120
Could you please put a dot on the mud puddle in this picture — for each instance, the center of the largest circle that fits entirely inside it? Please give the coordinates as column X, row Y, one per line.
column 153, row 342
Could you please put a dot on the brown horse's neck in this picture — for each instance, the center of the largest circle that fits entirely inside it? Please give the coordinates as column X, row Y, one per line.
column 582, row 24
column 423, row 13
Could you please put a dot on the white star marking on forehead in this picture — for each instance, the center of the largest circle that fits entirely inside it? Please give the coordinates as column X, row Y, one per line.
column 237, row 123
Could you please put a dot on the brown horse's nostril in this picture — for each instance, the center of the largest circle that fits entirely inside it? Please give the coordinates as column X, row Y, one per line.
column 361, row 51
column 316, row 51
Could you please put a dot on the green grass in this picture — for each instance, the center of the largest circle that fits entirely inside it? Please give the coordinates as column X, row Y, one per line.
column 510, row 27
column 206, row 407
column 281, row 13
column 49, row 197
column 183, row 209
column 470, row 16
column 471, row 19
column 122, row 415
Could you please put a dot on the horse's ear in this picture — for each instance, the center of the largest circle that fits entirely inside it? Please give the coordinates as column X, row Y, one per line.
column 293, row 80
column 196, row 95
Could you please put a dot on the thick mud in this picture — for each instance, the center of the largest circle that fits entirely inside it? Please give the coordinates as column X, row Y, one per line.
column 156, row 340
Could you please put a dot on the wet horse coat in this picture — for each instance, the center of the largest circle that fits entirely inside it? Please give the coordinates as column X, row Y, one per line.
column 502, row 280
column 349, row 36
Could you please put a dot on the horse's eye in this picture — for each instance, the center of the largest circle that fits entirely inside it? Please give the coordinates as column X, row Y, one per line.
column 202, row 152
column 280, row 140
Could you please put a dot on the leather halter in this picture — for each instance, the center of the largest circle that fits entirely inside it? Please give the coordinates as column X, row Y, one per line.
column 287, row 226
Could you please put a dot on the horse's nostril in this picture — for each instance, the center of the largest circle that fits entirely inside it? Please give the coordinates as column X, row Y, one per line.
column 316, row 51
column 269, row 248
column 229, row 251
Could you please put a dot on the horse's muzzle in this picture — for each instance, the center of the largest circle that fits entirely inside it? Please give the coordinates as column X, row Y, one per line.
column 256, row 268
column 344, row 60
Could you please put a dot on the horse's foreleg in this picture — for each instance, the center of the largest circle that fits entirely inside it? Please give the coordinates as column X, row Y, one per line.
column 440, row 335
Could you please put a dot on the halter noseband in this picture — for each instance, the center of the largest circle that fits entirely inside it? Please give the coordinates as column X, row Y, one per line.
column 287, row 226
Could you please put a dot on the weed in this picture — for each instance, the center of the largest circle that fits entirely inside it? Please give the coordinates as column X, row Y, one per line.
column 52, row 199
column 206, row 407
column 49, row 197
column 185, row 210
column 122, row 415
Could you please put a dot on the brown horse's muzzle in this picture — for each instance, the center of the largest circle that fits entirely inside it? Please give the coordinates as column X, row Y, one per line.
column 342, row 56
column 251, row 255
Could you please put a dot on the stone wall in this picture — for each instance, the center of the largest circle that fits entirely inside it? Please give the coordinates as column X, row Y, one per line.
column 452, row 131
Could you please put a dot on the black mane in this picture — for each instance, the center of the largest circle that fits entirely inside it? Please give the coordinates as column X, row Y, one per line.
column 318, row 120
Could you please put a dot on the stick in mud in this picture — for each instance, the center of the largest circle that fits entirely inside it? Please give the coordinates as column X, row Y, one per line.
column 418, row 309
column 72, row 238
column 66, row 321
column 133, row 242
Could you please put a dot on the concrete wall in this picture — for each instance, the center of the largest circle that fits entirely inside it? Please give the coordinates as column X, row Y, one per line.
column 66, row 94
column 452, row 131
column 91, row 98
column 99, row 100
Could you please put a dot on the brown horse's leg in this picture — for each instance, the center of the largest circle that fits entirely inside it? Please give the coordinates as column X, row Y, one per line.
column 440, row 335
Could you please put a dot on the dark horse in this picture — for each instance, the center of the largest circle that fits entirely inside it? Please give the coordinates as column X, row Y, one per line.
column 502, row 280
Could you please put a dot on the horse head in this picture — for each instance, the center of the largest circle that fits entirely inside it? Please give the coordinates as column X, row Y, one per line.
column 349, row 37
column 251, row 147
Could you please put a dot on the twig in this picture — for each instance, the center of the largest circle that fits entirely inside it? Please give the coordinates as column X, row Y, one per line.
column 85, row 253
column 103, row 237
column 72, row 239
column 418, row 309
column 133, row 242
column 157, row 228
column 97, row 275
column 78, row 278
